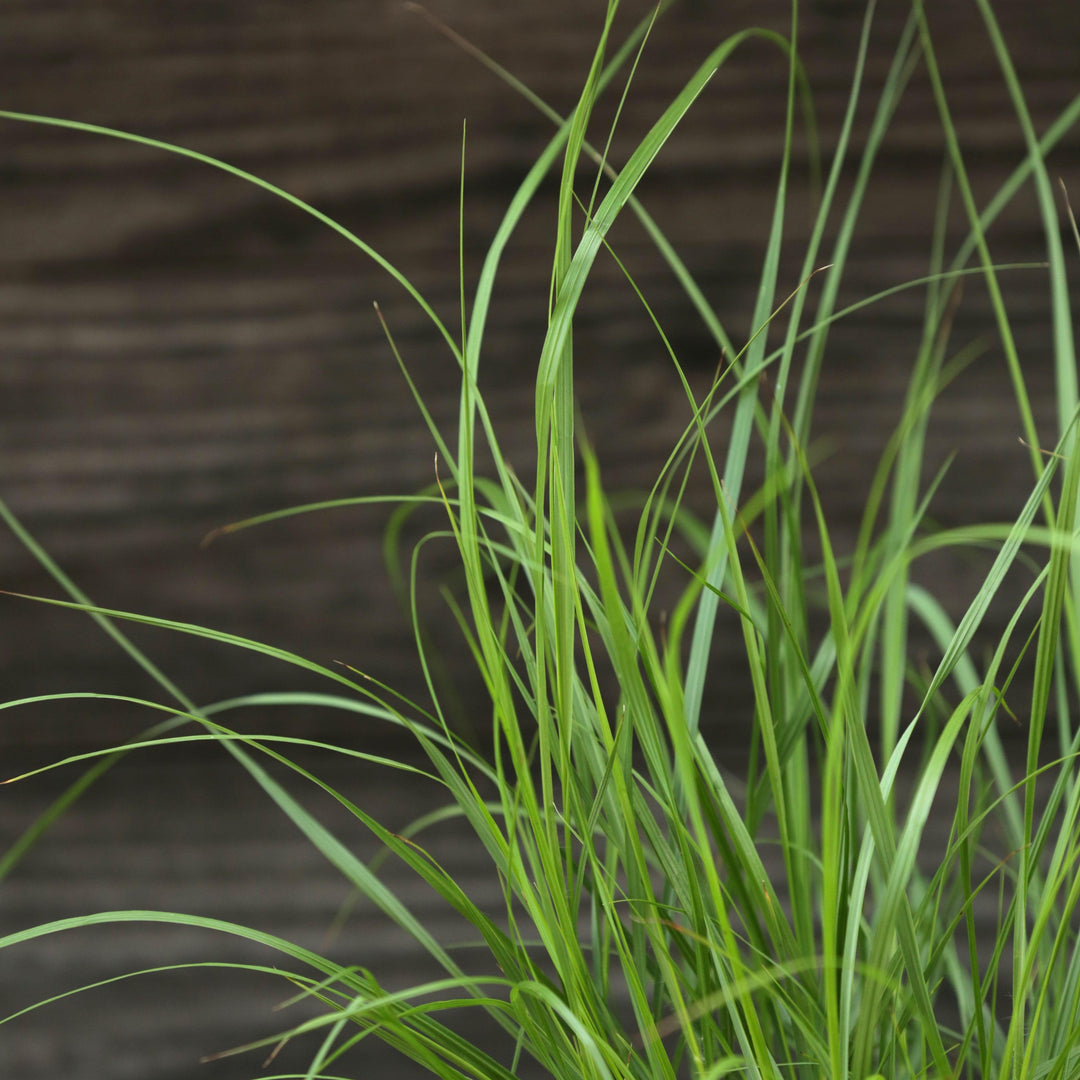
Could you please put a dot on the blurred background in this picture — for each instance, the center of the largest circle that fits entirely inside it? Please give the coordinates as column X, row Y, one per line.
column 180, row 350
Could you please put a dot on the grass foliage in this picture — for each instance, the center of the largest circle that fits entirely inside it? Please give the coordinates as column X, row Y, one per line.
column 647, row 930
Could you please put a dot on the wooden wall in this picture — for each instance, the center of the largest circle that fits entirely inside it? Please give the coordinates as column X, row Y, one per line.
column 179, row 350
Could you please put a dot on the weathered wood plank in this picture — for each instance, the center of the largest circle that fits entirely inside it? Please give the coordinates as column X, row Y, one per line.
column 180, row 350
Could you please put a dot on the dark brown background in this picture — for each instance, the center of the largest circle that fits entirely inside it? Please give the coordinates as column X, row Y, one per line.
column 179, row 350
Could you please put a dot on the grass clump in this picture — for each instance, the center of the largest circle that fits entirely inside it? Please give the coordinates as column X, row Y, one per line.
column 646, row 933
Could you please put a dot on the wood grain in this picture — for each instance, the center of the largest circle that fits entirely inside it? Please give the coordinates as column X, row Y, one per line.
column 182, row 350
